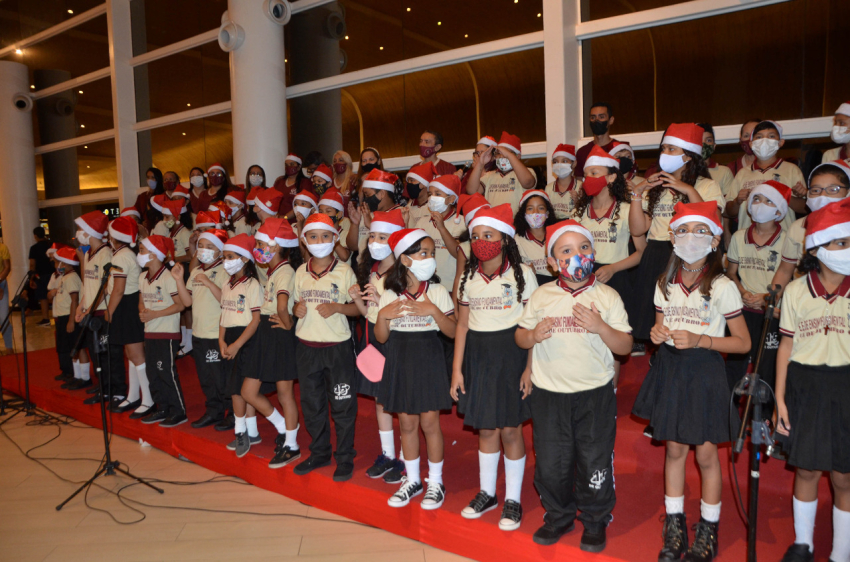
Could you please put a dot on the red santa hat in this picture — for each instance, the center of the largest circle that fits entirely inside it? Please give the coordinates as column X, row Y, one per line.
column 173, row 207
column 828, row 223
column 220, row 210
column 56, row 246
column 307, row 197
column 124, row 229
column 566, row 150
column 324, row 172
column 448, row 184
column 511, row 142
column 237, row 197
column 160, row 246
column 214, row 167
column 251, row 197
column 487, row 140
column 319, row 221
column 687, row 136
column 379, row 179
column 206, row 219
column 599, row 157
column 180, row 191
column 268, row 231
column 333, row 198
column 470, row 205
column 67, row 255
column 555, row 231
column 269, row 201
column 93, row 223
column 387, row 222
column 533, row 193
column 843, row 109
column 404, row 239
column 130, row 212
column 241, row 244
column 618, row 147
column 285, row 236
column 499, row 217
column 840, row 164
column 294, row 158
column 423, row 173
column 217, row 236
column 777, row 193
column 157, row 201
column 705, row 212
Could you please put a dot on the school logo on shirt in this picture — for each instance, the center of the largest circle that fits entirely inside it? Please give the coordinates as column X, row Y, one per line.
column 212, row 356
column 612, row 232
column 772, row 259
column 341, row 392
column 705, row 312
column 772, row 341
column 598, row 479
column 507, row 295
column 158, row 296
column 334, row 292
column 212, row 275
column 240, row 304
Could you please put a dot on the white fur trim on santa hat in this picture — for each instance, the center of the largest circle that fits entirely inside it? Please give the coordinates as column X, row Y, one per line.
column 210, row 237
column 681, row 143
column 286, row 242
column 715, row 228
column 332, row 203
column 130, row 212
column 495, row 223
column 234, row 200
column 568, row 228
column 236, row 250
column 468, row 217
column 844, row 109
column 510, row 147
column 319, row 226
column 306, row 199
column 373, row 184
column 88, row 229
column 418, row 178
column 409, row 240
column 293, row 158
column 486, row 141
column 827, row 235
column 322, row 175
column 121, row 237
column 565, row 154
column 259, row 203
column 533, row 193
column 153, row 249
column 215, row 167
column 263, row 237
column 622, row 147
column 66, row 260
column 600, row 161
column 383, row 227
column 774, row 196
column 439, row 185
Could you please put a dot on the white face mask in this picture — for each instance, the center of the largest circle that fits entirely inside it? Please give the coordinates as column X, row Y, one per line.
column 152, row 184
column 840, row 135
column 169, row 222
column 303, row 211
column 196, row 181
column 83, row 238
column 232, row 267
column 763, row 213
column 819, row 202
column 307, row 173
column 255, row 179
column 670, row 163
column 692, row 249
column 206, row 256
column 437, row 204
column 765, row 149
column 836, row 260
column 321, row 250
column 562, row 170
column 423, row 269
column 379, row 251
column 503, row 164
column 143, row 259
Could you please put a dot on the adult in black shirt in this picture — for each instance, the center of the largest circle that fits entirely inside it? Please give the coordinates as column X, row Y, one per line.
column 41, row 264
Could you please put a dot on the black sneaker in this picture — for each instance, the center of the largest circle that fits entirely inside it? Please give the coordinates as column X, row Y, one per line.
column 435, row 495
column 64, row 377
column 78, row 384
column 798, row 553
column 593, row 539
column 204, row 421
column 549, row 534
column 283, row 455
column 648, row 431
column 638, row 349
column 343, row 472
column 174, row 420
column 44, row 323
column 396, row 474
column 704, row 548
column 156, row 417
column 242, row 444
column 480, row 504
column 674, row 536
column 227, row 424
column 405, row 493
column 381, row 466
column 511, row 516
column 311, row 464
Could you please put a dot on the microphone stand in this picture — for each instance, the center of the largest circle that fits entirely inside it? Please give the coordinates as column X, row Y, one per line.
column 757, row 393
column 21, row 303
column 95, row 325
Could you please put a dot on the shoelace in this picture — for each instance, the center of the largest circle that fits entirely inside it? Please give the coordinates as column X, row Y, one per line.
column 434, row 492
column 511, row 510
column 480, row 500
column 406, row 488
column 703, row 539
column 672, row 534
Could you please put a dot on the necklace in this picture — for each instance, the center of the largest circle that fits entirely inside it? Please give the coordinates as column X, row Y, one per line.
column 694, row 270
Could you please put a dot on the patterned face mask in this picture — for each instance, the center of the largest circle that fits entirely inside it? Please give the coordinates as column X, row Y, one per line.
column 577, row 268
column 263, row 255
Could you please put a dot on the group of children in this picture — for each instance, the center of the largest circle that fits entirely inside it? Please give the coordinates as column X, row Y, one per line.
column 493, row 299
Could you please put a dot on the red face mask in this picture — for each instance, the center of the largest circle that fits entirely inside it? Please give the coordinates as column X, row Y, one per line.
column 291, row 170
column 427, row 151
column 745, row 146
column 486, row 250
column 592, row 186
column 216, row 180
column 169, row 185
column 340, row 167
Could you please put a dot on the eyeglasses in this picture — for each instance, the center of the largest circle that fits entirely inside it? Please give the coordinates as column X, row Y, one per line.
column 829, row 190
column 699, row 233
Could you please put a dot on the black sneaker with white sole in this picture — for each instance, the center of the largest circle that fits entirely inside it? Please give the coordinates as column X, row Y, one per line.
column 511, row 516
column 480, row 504
column 156, row 417
column 435, row 495
column 396, row 474
column 798, row 553
column 283, row 455
column 174, row 420
column 405, row 493
column 381, row 466
column 638, row 349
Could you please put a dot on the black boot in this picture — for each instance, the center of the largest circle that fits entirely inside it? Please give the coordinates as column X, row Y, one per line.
column 704, row 548
column 674, row 536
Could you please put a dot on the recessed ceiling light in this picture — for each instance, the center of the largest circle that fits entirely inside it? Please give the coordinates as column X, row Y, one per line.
column 88, row 166
column 82, row 126
column 466, row 35
column 408, row 9
column 86, row 146
column 19, row 52
column 381, row 48
column 32, row 86
column 79, row 91
column 188, row 105
column 70, row 11
column 516, row 1
column 285, row 60
column 346, row 37
column 184, row 134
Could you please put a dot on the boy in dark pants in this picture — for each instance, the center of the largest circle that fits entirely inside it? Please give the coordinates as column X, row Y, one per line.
column 65, row 294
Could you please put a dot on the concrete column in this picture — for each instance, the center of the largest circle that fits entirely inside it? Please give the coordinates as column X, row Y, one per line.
column 257, row 91
column 19, row 196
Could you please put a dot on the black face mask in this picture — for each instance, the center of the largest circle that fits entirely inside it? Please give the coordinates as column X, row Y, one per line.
column 599, row 127
column 373, row 202
column 413, row 190
column 369, row 167
column 626, row 165
column 320, row 188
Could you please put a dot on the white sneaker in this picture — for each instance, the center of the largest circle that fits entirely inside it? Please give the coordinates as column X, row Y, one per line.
column 434, row 497
column 407, row 491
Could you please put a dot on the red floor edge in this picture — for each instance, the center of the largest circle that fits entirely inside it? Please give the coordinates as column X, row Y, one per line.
column 634, row 535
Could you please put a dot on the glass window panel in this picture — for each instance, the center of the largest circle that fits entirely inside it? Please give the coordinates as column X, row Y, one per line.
column 90, row 107
column 181, row 147
column 23, row 18
column 94, row 164
column 157, row 23
column 591, row 10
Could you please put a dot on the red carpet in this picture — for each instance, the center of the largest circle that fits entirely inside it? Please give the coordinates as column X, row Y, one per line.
column 633, row 535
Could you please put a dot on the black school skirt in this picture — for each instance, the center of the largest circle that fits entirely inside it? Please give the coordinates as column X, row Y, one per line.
column 818, row 401
column 126, row 327
column 492, row 367
column 364, row 385
column 415, row 378
column 275, row 353
column 686, row 398
column 640, row 305
column 246, row 362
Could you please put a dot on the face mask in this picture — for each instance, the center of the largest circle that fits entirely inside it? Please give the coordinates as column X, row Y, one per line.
column 169, row 185
column 840, row 135
column 670, row 163
column 320, row 188
column 762, row 213
column 413, row 190
column 819, row 202
column 578, row 268
column 340, row 167
column 169, row 223
column 216, row 181
column 503, row 164
column 707, row 151
column 427, row 151
column 536, row 220
column 196, row 181
column 255, row 179
column 60, row 270
column 562, row 170
column 206, row 256
column 303, row 211
column 423, row 269
column 369, row 167
column 593, row 186
column 486, row 250
column 82, row 238
column 265, row 255
column 379, row 251
column 626, row 164
column 321, row 250
column 765, row 149
column 692, row 249
column 232, row 267
column 143, row 259
column 372, row 201
column 291, row 170
column 836, row 260
column 599, row 127
column 152, row 184
column 307, row 173
column 437, row 204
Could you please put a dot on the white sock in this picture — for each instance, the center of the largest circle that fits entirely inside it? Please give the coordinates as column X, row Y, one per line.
column 488, row 471
column 435, row 471
column 514, row 471
column 239, row 426
column 76, row 369
column 674, row 505
column 252, row 426
column 187, row 339
column 85, row 373
column 412, row 468
column 277, row 421
column 144, row 385
column 133, row 376
column 804, row 522
column 840, row 535
column 387, row 443
column 710, row 513
column 292, row 439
